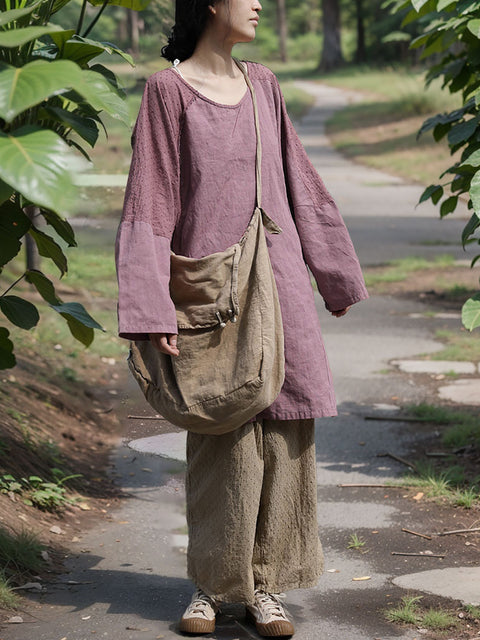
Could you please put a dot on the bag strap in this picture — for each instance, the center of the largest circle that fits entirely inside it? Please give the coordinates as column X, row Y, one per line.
column 258, row 155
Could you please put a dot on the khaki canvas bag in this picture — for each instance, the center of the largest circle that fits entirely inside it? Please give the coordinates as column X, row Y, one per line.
column 230, row 334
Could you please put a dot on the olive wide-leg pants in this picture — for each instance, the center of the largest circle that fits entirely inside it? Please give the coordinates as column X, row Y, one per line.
column 252, row 510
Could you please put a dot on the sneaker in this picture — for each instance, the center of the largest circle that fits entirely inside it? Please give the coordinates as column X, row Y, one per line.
column 199, row 616
column 269, row 615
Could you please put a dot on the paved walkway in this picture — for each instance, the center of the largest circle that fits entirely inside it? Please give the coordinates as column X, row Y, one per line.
column 128, row 579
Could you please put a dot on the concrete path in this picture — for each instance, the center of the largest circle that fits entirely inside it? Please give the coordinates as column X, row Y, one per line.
column 128, row 579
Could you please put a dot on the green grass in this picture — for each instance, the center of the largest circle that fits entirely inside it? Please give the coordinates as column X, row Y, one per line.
column 381, row 130
column 401, row 269
column 298, row 101
column 459, row 345
column 436, row 619
column 8, row 599
column 355, row 542
column 463, row 426
column 473, row 611
column 445, row 478
column 407, row 612
column 20, row 558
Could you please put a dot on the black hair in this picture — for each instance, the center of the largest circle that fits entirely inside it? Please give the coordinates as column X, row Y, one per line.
column 190, row 20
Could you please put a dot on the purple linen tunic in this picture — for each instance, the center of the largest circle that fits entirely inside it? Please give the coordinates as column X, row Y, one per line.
column 191, row 189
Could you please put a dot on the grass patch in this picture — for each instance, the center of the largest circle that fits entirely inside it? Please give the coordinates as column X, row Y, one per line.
column 355, row 542
column 20, row 558
column 448, row 478
column 407, row 612
column 473, row 611
column 298, row 101
column 437, row 619
column 381, row 131
column 459, row 345
column 401, row 269
column 463, row 426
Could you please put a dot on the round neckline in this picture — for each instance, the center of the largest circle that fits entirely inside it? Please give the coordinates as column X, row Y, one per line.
column 204, row 97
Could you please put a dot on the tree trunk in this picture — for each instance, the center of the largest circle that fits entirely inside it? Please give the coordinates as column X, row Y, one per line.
column 361, row 53
column 133, row 31
column 282, row 29
column 332, row 57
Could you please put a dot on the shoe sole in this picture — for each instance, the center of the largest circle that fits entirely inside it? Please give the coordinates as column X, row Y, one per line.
column 277, row 628
column 196, row 625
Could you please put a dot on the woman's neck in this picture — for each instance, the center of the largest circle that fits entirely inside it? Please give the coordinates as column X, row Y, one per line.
column 214, row 58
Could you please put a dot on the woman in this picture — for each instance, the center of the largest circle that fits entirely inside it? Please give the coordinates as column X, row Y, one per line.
column 251, row 493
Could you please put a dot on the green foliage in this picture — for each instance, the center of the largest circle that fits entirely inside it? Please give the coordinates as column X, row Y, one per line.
column 48, row 495
column 451, row 40
column 53, row 96
column 407, row 612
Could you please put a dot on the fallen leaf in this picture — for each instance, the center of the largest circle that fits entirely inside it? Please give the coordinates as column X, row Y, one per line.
column 15, row 620
column 362, row 578
column 147, row 469
column 84, row 506
column 45, row 555
column 419, row 495
column 75, row 539
column 333, row 571
column 86, row 617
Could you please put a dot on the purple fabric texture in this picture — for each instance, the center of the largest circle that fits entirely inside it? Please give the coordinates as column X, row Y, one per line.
column 191, row 188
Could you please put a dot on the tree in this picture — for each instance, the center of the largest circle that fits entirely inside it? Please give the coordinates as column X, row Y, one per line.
column 361, row 51
column 451, row 41
column 282, row 29
column 51, row 98
column 332, row 56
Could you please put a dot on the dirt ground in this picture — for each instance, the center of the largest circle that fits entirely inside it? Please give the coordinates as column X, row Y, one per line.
column 48, row 422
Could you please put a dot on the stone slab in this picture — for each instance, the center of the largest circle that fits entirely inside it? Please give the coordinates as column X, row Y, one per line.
column 459, row 583
column 435, row 366
column 462, row 391
column 167, row 445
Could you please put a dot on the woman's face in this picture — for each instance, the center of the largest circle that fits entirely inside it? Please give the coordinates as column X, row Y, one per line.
column 237, row 19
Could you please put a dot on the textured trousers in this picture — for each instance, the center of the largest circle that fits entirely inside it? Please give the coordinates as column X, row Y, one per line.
column 252, row 510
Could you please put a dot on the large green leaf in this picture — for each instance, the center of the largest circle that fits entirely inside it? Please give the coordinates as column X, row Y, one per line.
column 5, row 191
column 82, row 50
column 24, row 87
column 48, row 248
column 79, row 331
column 448, row 206
column 43, row 285
column 136, row 5
column 35, row 162
column 474, row 27
column 61, row 226
column 7, row 359
column 80, row 322
column 6, row 17
column 84, row 126
column 462, row 131
column 470, row 228
column 14, row 224
column 18, row 37
column 475, row 192
column 103, row 96
column 19, row 311
column 471, row 313
column 78, row 311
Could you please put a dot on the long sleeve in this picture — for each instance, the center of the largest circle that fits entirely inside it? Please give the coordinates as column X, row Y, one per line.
column 326, row 244
column 151, row 209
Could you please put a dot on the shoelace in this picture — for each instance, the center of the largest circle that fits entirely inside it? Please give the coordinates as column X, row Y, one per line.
column 271, row 603
column 200, row 602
